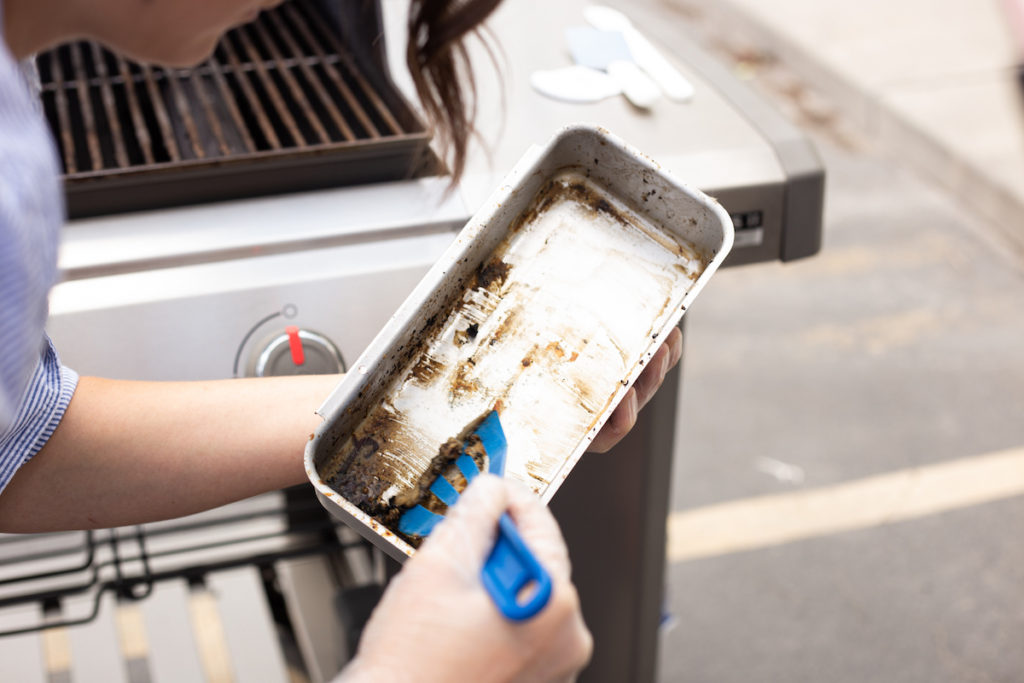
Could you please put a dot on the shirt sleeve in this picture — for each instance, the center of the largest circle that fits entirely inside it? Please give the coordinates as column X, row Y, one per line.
column 34, row 389
column 41, row 408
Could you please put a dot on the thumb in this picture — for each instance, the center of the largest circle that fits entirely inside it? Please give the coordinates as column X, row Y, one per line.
column 470, row 526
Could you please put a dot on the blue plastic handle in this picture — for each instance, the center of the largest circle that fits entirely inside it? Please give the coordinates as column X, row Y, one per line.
column 516, row 581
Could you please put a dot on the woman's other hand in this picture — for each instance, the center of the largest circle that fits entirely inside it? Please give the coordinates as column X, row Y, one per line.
column 624, row 416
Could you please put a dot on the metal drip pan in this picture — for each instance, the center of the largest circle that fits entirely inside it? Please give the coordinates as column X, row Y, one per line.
column 546, row 308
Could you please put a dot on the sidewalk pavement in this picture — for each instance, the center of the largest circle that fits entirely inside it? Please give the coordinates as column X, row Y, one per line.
column 934, row 82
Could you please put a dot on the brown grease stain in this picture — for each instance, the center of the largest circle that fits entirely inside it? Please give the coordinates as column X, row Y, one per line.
column 534, row 472
column 506, row 325
column 589, row 197
column 562, row 188
column 365, row 473
column 449, row 450
column 547, row 196
column 426, row 370
column 462, row 384
column 491, row 275
column 463, row 337
column 553, row 351
column 585, row 396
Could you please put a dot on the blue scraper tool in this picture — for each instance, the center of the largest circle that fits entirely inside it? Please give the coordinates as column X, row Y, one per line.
column 515, row 580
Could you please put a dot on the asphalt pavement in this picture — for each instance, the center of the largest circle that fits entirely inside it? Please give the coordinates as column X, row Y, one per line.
column 855, row 424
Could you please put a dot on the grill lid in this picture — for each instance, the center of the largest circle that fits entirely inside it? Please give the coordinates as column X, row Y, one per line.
column 280, row 106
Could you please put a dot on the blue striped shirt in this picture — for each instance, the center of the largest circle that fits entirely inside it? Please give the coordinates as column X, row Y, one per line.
column 34, row 388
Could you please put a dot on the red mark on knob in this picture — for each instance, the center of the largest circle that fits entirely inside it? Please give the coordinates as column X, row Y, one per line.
column 295, row 344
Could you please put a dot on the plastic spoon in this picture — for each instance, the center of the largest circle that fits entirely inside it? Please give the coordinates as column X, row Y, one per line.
column 608, row 52
column 575, row 84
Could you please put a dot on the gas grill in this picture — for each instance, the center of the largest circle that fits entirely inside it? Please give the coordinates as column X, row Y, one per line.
column 282, row 105
column 268, row 221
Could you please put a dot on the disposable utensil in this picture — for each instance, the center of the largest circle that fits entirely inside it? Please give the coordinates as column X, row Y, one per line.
column 607, row 51
column 516, row 581
column 578, row 84
column 647, row 57
column 636, row 86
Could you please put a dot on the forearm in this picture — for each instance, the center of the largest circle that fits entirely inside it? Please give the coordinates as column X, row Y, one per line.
column 130, row 452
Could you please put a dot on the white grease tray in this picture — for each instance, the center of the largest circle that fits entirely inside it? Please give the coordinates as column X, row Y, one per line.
column 546, row 307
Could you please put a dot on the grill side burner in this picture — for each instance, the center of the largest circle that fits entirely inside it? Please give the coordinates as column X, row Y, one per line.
column 282, row 105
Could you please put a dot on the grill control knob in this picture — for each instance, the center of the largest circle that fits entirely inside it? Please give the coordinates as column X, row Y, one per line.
column 296, row 352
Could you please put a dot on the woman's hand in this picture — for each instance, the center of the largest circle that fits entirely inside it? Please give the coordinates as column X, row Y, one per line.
column 624, row 417
column 436, row 622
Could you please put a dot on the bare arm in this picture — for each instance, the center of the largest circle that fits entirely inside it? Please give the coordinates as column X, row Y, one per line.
column 131, row 452
column 134, row 452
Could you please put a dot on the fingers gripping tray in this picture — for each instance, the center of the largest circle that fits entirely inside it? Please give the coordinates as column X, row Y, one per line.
column 546, row 308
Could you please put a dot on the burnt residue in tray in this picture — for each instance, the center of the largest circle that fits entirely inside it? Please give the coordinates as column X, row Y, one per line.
column 427, row 368
column 363, row 476
column 361, row 473
column 441, row 464
column 557, row 189
column 491, row 275
column 444, row 465
column 463, row 337
column 561, row 188
column 463, row 383
column 388, row 463
column 363, row 479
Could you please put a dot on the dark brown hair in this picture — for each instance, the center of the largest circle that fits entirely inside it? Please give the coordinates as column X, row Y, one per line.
column 439, row 64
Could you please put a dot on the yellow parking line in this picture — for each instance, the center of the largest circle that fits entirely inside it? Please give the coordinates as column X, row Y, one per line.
column 893, row 497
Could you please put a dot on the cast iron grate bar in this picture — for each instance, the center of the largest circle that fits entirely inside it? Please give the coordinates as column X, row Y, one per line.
column 337, row 79
column 138, row 127
column 324, row 98
column 110, row 108
column 85, row 107
column 261, row 79
column 249, row 98
column 283, row 83
column 186, row 136
column 155, row 104
column 299, row 98
column 58, row 100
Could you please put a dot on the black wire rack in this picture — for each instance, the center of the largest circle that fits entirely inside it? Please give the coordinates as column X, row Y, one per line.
column 47, row 569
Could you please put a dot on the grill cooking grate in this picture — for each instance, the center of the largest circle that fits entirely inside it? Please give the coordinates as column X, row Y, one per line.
column 275, row 90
